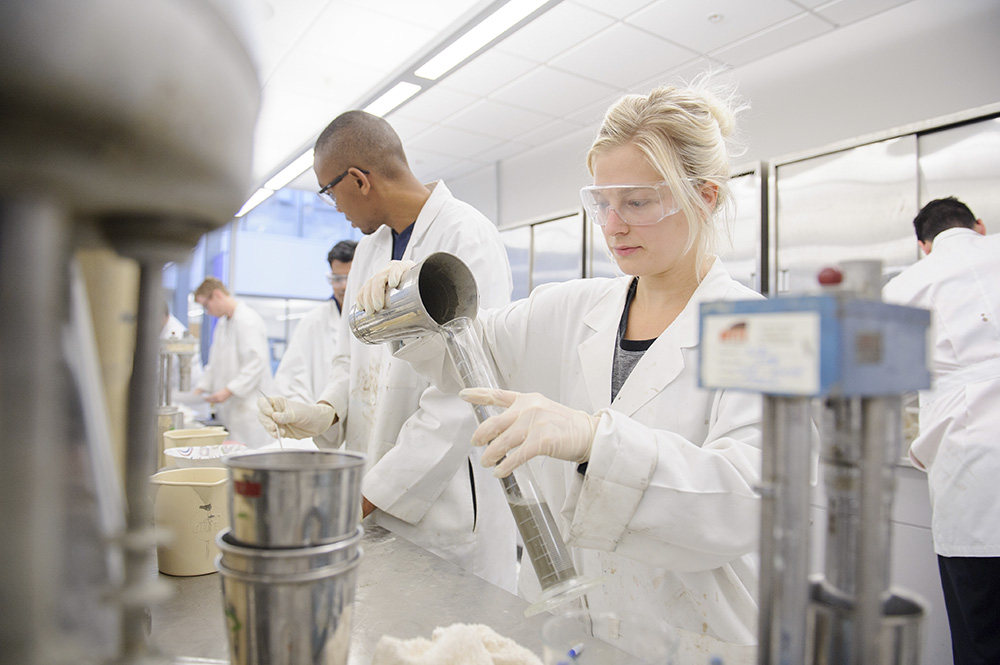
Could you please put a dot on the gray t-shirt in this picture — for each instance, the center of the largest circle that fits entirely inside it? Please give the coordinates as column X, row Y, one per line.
column 627, row 351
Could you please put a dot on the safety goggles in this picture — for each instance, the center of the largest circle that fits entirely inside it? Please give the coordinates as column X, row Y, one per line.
column 636, row 205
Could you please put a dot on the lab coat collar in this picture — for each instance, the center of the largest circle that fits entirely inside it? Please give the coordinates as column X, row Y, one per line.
column 661, row 363
column 440, row 195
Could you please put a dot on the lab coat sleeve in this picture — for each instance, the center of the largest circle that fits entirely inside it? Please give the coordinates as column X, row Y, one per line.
column 653, row 496
column 292, row 380
column 251, row 340
column 204, row 381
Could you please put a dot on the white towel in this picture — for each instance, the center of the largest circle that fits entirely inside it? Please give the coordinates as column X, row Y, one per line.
column 457, row 644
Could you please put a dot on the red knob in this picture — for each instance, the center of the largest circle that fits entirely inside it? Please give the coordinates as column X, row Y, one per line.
column 829, row 276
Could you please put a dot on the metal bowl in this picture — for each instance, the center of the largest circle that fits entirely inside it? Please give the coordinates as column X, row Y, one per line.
column 294, row 498
column 285, row 561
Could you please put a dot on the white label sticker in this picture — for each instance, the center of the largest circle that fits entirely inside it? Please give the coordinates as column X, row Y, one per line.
column 775, row 352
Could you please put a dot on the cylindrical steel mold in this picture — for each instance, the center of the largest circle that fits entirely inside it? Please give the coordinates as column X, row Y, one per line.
column 285, row 561
column 301, row 619
column 294, row 498
column 437, row 290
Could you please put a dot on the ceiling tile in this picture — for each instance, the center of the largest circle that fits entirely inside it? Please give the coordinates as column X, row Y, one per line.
column 408, row 128
column 552, row 92
column 548, row 132
column 455, row 142
column 499, row 152
column 434, row 15
column 424, row 163
column 618, row 9
column 687, row 23
column 638, row 55
column 434, row 105
column 553, row 32
column 843, row 12
column 593, row 113
column 772, row 40
column 455, row 170
column 497, row 119
column 488, row 72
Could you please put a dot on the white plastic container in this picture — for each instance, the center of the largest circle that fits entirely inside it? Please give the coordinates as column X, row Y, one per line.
column 193, row 456
column 187, row 438
column 190, row 506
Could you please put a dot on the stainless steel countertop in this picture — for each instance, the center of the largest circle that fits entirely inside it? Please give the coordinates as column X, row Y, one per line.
column 402, row 590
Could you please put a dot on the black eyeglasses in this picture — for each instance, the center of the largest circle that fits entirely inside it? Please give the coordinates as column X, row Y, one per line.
column 326, row 193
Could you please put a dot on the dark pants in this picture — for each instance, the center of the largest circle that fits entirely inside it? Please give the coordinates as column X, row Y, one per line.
column 972, row 597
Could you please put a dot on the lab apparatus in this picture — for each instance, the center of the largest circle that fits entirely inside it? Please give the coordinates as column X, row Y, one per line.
column 439, row 295
column 852, row 356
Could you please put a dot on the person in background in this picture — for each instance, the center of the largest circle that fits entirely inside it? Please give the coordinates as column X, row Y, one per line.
column 651, row 477
column 237, row 366
column 174, row 329
column 958, row 443
column 307, row 362
column 423, row 480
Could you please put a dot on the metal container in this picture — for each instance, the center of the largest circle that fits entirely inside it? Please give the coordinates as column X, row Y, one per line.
column 285, row 561
column 294, row 498
column 301, row 619
column 437, row 290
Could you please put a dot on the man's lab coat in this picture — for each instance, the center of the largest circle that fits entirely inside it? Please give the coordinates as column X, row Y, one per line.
column 959, row 440
column 422, row 472
column 239, row 360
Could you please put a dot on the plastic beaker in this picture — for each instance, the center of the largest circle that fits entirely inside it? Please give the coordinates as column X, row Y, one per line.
column 543, row 544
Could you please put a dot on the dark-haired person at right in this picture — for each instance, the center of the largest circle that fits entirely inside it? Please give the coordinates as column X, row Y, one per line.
column 959, row 440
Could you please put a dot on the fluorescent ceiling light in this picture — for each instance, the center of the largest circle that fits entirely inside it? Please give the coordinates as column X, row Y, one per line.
column 302, row 164
column 258, row 197
column 392, row 98
column 479, row 36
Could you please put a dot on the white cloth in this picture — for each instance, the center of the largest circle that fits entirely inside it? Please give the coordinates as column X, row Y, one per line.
column 418, row 440
column 959, row 440
column 457, row 644
column 667, row 512
column 238, row 359
column 174, row 328
column 307, row 364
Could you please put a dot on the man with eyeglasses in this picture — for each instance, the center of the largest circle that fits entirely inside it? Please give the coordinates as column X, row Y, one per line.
column 423, row 479
column 306, row 365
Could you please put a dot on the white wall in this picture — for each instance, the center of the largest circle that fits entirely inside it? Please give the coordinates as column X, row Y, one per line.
column 943, row 60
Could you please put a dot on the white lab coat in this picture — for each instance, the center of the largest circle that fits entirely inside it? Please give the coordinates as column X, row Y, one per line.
column 174, row 328
column 307, row 364
column 239, row 360
column 418, row 440
column 667, row 512
column 959, row 440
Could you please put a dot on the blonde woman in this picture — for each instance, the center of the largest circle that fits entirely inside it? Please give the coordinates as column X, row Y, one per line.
column 651, row 476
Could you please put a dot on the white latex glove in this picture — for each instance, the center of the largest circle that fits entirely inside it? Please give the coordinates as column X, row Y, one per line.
column 532, row 425
column 373, row 294
column 295, row 420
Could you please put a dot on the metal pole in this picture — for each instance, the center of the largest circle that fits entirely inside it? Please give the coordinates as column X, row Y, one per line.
column 34, row 291
column 784, row 583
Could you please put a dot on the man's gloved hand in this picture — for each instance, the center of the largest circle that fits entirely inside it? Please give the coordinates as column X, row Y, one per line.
column 295, row 420
column 373, row 294
column 532, row 425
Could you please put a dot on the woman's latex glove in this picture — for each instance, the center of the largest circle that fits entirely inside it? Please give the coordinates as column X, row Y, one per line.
column 295, row 420
column 532, row 425
column 373, row 294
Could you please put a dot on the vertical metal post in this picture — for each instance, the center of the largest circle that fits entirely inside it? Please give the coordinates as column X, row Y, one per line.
column 140, row 456
column 784, row 561
column 34, row 293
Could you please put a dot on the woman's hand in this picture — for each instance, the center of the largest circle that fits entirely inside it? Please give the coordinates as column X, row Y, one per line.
column 532, row 425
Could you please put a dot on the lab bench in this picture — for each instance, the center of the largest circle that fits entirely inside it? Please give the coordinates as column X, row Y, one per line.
column 402, row 590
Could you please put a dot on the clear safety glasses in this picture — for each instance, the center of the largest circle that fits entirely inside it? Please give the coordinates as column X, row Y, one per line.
column 636, row 205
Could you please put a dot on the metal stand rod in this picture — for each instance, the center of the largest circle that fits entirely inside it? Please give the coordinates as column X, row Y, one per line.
column 784, row 562
column 140, row 460
column 34, row 287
